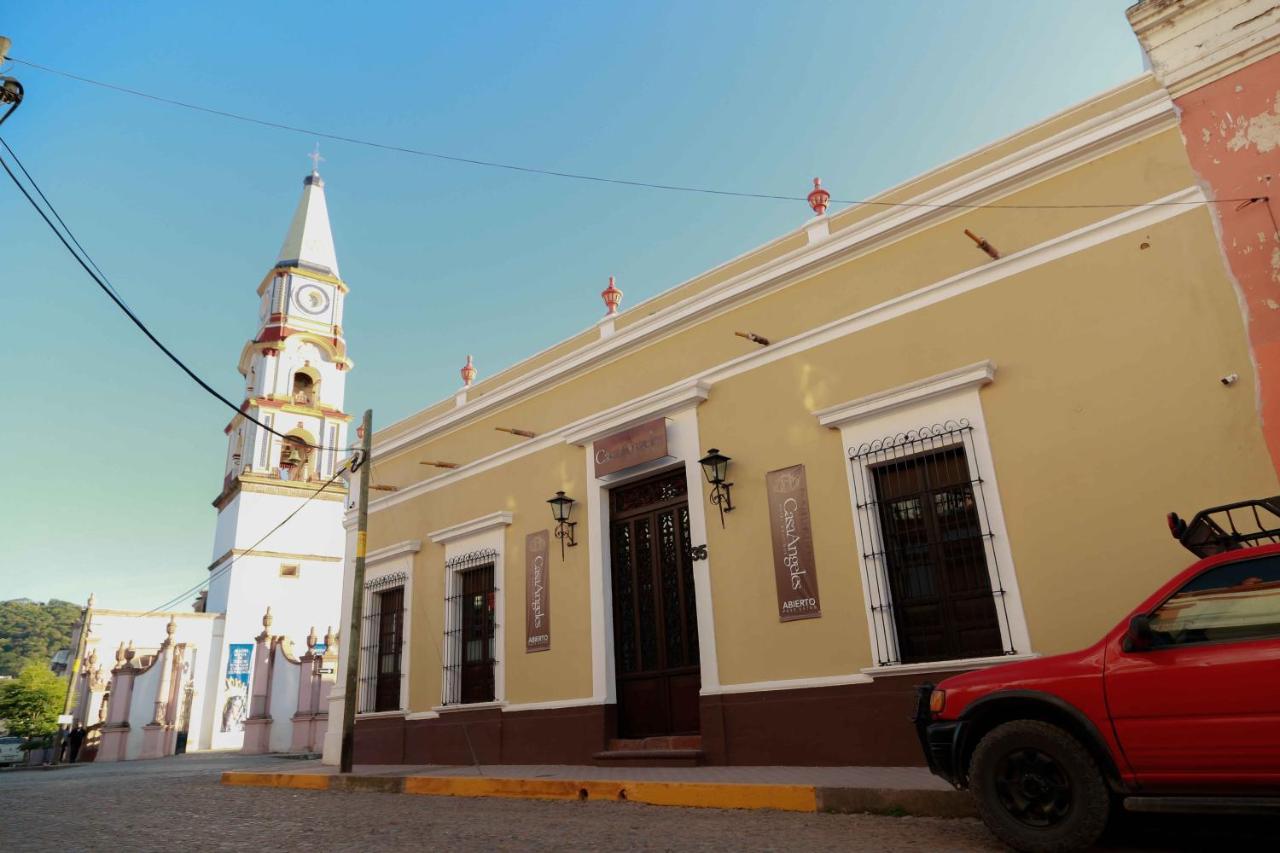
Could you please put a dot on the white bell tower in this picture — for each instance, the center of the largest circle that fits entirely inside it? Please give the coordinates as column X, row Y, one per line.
column 295, row 369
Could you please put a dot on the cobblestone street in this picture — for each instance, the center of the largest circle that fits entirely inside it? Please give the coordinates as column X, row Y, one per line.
column 178, row 804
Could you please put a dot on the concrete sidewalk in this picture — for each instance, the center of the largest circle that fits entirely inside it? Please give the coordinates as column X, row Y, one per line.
column 881, row 790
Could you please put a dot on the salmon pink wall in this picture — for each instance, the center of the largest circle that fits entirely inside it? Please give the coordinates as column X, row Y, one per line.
column 1232, row 130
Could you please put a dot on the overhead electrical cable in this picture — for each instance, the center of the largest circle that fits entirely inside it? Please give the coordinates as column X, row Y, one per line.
column 578, row 176
column 56, row 216
column 248, row 551
column 89, row 266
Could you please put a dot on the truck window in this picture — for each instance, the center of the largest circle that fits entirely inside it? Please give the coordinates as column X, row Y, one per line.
column 1236, row 601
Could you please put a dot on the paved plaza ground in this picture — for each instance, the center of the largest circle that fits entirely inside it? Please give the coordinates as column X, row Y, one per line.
column 177, row 804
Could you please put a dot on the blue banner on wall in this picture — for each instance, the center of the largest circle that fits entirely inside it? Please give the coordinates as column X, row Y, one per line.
column 239, row 662
column 236, row 704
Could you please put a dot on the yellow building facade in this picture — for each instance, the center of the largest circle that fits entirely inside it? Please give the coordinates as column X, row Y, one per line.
column 940, row 460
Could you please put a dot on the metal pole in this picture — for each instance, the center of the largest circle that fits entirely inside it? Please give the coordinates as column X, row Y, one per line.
column 357, row 598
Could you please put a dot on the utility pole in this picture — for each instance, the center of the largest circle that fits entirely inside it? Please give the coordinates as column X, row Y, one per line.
column 73, row 670
column 352, row 639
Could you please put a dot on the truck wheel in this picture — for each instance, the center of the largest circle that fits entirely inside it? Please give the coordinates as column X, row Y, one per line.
column 1038, row 789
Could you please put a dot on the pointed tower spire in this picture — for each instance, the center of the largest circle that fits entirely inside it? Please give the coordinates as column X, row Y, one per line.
column 309, row 242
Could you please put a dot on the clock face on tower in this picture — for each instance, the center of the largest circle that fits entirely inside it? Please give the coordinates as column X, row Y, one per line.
column 311, row 299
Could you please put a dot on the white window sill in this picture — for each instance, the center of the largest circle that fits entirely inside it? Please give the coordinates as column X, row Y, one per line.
column 945, row 665
column 469, row 706
column 373, row 715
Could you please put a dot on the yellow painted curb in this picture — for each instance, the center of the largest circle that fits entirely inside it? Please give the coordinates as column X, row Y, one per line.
column 788, row 798
column 791, row 798
column 304, row 781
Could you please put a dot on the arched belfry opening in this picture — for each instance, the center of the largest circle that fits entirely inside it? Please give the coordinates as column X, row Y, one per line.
column 296, row 456
column 306, row 387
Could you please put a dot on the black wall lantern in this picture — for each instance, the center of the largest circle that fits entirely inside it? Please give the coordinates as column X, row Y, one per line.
column 561, row 509
column 716, row 466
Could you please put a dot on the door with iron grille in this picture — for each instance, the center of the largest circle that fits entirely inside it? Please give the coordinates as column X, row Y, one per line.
column 935, row 556
column 390, row 637
column 477, row 657
column 655, row 624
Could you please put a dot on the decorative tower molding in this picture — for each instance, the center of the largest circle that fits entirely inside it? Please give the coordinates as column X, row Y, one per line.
column 468, row 373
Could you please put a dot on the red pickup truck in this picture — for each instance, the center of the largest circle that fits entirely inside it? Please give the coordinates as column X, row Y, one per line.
column 1177, row 708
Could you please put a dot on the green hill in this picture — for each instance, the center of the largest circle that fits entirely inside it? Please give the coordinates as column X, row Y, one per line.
column 31, row 631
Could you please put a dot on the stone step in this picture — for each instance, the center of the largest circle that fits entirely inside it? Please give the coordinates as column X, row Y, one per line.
column 649, row 757
column 662, row 742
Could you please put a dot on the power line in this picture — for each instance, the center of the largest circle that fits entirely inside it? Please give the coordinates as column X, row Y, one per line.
column 54, row 211
column 578, row 176
column 217, row 574
column 89, row 266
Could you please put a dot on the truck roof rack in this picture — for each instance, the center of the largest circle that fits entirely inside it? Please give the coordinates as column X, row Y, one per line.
column 1230, row 527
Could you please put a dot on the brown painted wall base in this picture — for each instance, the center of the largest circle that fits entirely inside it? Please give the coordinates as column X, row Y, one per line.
column 856, row 724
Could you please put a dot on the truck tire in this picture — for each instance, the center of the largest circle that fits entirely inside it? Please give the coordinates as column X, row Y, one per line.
column 1038, row 789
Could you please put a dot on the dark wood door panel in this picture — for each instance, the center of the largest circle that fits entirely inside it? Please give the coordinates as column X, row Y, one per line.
column 654, row 608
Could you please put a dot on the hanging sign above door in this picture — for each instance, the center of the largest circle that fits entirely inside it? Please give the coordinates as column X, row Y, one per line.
column 641, row 443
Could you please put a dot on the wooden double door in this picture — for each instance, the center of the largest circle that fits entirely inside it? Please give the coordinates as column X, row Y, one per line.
column 655, row 618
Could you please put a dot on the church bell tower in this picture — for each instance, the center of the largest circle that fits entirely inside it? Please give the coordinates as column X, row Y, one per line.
column 294, row 370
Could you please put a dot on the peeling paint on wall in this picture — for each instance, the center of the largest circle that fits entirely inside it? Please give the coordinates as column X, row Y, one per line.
column 1237, row 122
column 1262, row 131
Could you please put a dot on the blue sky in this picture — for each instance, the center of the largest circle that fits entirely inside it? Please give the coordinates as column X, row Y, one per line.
column 114, row 457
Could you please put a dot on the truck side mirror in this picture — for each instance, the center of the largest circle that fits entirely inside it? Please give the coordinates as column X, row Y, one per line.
column 1139, row 637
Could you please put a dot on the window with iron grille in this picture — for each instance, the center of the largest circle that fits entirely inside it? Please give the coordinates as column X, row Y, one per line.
column 932, row 576
column 382, row 644
column 470, row 628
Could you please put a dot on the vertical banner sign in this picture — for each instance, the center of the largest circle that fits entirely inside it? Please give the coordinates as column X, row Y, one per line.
column 236, row 704
column 793, row 565
column 537, row 592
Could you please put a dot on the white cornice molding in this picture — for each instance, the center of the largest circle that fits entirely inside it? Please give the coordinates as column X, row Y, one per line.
column 1192, row 43
column 950, row 382
column 470, row 528
column 664, row 401
column 390, row 552
column 1064, row 245
column 1080, row 142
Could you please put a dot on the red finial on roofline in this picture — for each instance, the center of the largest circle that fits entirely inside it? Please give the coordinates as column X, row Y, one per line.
column 819, row 197
column 612, row 297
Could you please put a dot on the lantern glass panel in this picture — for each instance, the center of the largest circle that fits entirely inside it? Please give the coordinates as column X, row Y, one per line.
column 560, row 507
column 715, row 466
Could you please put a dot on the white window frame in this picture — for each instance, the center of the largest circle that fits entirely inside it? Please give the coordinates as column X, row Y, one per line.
column 947, row 397
column 486, row 533
column 378, row 565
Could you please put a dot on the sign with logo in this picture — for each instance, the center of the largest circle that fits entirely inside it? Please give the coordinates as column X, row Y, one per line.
column 537, row 592
column 793, row 565
column 642, row 443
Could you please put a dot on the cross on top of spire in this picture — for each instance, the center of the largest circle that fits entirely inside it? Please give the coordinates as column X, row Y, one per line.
column 315, row 159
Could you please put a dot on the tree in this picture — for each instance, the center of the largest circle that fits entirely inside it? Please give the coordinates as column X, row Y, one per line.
column 30, row 632
column 30, row 703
